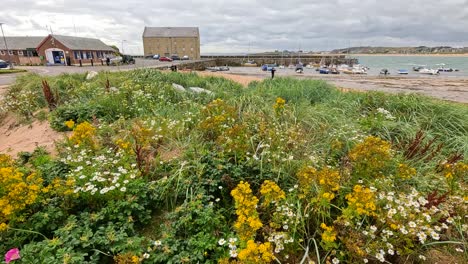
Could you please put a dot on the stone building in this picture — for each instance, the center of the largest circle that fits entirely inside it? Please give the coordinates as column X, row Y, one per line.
column 168, row 41
column 22, row 50
column 67, row 50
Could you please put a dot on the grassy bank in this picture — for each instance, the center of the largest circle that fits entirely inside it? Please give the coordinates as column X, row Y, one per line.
column 11, row 71
column 282, row 171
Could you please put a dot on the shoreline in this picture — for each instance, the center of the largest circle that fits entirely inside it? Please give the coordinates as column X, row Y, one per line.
column 443, row 88
column 464, row 55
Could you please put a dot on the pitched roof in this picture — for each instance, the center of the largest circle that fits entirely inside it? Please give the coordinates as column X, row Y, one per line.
column 20, row 43
column 78, row 43
column 171, row 32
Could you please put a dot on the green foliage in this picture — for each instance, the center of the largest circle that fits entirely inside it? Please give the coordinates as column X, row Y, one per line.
column 191, row 232
column 3, row 71
column 150, row 177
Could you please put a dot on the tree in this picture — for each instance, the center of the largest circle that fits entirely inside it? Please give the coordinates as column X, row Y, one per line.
column 116, row 50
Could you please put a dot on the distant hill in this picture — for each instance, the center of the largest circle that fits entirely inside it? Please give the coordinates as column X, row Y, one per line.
column 401, row 50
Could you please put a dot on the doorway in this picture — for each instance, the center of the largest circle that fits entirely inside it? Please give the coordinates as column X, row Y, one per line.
column 55, row 56
column 58, row 57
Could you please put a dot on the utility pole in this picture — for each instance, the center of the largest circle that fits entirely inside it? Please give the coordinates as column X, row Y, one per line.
column 6, row 46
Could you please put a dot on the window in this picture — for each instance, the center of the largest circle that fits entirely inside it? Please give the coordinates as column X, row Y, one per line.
column 2, row 52
column 30, row 53
column 89, row 54
column 77, row 55
column 20, row 52
column 11, row 52
column 99, row 54
column 84, row 55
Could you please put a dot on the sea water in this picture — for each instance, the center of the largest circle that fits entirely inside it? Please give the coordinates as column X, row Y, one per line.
column 407, row 62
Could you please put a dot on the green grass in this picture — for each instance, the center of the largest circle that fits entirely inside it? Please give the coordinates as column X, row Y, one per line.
column 185, row 197
column 2, row 71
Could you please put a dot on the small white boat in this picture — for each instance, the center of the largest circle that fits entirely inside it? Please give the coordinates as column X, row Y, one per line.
column 428, row 71
column 216, row 68
column 403, row 71
column 356, row 69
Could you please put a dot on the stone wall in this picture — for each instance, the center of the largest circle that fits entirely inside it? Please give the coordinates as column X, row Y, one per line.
column 260, row 60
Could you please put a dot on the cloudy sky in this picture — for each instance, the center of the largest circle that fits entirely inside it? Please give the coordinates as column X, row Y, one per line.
column 230, row 26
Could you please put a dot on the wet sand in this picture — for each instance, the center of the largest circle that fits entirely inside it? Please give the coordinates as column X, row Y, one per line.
column 442, row 87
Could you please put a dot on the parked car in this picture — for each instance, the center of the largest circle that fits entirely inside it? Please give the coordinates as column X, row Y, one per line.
column 4, row 64
column 186, row 57
column 114, row 60
column 175, row 57
column 127, row 59
column 165, row 59
column 156, row 57
column 268, row 67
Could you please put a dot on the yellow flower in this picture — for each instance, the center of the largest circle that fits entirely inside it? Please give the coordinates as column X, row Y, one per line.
column 371, row 155
column 271, row 192
column 361, row 200
column 328, row 196
column 279, row 105
column 83, row 133
column 256, row 253
column 17, row 192
column 125, row 145
column 135, row 259
column 3, row 227
column 329, row 234
column 405, row 171
column 248, row 221
column 70, row 123
column 327, row 179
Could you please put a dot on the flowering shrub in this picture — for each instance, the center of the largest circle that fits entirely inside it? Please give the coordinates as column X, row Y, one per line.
column 455, row 174
column 370, row 156
column 83, row 134
column 361, row 201
column 326, row 180
column 271, row 193
column 107, row 173
column 217, row 116
column 247, row 222
column 17, row 192
column 328, row 236
column 256, row 253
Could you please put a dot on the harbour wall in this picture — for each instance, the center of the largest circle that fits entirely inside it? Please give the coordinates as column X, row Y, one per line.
column 279, row 60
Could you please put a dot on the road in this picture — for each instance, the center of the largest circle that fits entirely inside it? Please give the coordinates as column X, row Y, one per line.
column 7, row 79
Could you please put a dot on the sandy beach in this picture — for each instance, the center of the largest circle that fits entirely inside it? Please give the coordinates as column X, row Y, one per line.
column 446, row 88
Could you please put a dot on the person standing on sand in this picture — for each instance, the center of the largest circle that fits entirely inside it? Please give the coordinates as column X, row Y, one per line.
column 273, row 72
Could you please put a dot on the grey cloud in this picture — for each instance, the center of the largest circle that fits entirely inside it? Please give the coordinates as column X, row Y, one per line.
column 228, row 26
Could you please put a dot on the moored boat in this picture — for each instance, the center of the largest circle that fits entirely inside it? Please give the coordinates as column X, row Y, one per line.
column 324, row 71
column 418, row 68
column 428, row 71
column 403, row 71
